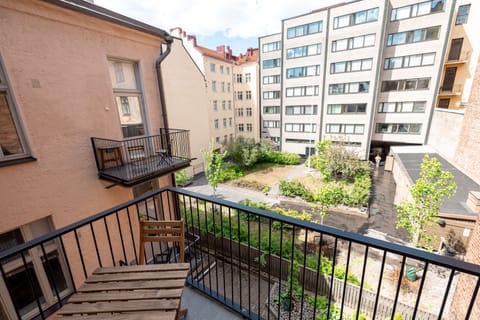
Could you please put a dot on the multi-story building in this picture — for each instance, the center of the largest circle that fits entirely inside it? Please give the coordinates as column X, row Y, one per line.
column 246, row 95
column 363, row 73
column 460, row 57
column 231, row 89
column 81, row 98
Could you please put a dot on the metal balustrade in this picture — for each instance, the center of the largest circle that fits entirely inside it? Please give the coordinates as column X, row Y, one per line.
column 261, row 264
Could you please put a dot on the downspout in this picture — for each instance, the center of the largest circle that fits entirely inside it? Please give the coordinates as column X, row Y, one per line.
column 163, row 107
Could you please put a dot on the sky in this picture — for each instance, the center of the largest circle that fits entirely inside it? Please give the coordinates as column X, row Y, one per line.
column 235, row 23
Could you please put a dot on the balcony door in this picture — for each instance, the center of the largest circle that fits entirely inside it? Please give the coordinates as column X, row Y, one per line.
column 449, row 79
column 455, row 49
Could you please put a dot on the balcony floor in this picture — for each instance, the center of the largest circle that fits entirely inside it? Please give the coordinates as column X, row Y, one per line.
column 151, row 166
column 201, row 307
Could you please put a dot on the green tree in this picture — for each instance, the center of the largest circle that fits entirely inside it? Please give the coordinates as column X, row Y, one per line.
column 214, row 166
column 428, row 194
column 328, row 195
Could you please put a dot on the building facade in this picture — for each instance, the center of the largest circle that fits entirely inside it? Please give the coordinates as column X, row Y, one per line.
column 80, row 98
column 362, row 74
column 231, row 89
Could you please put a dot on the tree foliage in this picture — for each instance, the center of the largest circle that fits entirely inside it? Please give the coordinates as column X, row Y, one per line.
column 214, row 166
column 428, row 193
column 335, row 160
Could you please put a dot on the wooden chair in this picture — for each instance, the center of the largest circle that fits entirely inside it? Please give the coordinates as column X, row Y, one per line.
column 167, row 231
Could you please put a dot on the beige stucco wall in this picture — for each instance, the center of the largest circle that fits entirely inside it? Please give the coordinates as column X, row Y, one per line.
column 445, row 131
column 186, row 100
column 66, row 53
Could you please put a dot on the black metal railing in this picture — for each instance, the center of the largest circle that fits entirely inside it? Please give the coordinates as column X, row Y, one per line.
column 134, row 160
column 261, row 264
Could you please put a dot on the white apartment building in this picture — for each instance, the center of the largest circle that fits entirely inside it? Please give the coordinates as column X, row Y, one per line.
column 365, row 73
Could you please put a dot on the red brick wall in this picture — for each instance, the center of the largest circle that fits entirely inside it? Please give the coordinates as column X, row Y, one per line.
column 466, row 284
column 468, row 150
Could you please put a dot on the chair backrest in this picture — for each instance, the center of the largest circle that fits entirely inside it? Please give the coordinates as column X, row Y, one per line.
column 166, row 231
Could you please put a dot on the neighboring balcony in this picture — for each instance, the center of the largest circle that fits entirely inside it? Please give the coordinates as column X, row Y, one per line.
column 455, row 90
column 461, row 58
column 132, row 161
column 260, row 264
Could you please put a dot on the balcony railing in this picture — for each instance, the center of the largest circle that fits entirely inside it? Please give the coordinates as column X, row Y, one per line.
column 132, row 161
column 258, row 263
column 453, row 91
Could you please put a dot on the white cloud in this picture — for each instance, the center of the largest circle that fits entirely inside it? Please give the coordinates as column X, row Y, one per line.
column 234, row 18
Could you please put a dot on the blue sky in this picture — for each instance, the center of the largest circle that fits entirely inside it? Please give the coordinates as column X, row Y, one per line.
column 235, row 23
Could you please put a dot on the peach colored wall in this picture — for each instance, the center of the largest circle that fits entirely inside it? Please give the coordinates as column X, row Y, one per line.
column 186, row 100
column 66, row 52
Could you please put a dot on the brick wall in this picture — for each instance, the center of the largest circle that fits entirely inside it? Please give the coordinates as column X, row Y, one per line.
column 466, row 284
column 466, row 157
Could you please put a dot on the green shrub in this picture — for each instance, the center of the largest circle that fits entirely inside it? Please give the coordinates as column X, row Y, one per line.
column 282, row 158
column 396, row 316
column 361, row 316
column 251, row 184
column 181, row 177
column 295, row 189
column 232, row 173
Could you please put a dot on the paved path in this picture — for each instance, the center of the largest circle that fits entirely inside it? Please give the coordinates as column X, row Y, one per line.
column 379, row 224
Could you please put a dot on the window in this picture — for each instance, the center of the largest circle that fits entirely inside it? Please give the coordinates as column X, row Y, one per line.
column 413, row 36
column 305, row 29
column 288, row 140
column 271, row 95
column 402, row 106
column 300, row 127
column 215, row 123
column 414, row 60
column 271, row 79
column 229, row 104
column 230, row 122
column 239, row 78
column 462, row 14
column 351, row 87
column 128, row 97
column 417, row 9
column 212, row 67
column 214, row 86
column 302, row 91
column 443, row 103
column 345, row 128
column 355, row 18
column 364, row 41
column 231, row 137
column 300, row 72
column 301, row 110
column 223, row 105
column 248, row 77
column 223, row 86
column 221, row 69
column 347, row 108
column 240, row 112
column 248, row 95
column 215, row 105
column 272, row 46
column 228, row 70
column 271, row 124
column 248, row 112
column 405, row 84
column 229, row 88
column 271, row 109
column 272, row 63
column 44, row 270
column 304, row 51
column 249, row 127
column 225, row 138
column 12, row 142
column 398, row 128
column 239, row 95
column 351, row 66
column 217, row 139
column 240, row 127
column 224, row 122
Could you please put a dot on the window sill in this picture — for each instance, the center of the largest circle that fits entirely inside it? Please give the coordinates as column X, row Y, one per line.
column 4, row 163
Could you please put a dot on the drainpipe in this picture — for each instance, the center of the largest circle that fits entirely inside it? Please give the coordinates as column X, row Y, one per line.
column 163, row 55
